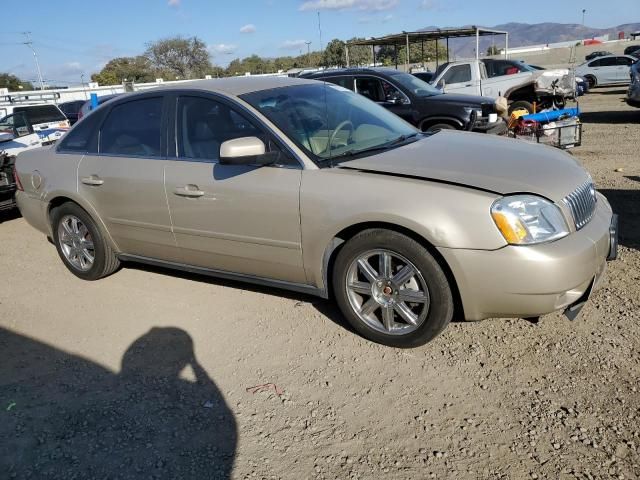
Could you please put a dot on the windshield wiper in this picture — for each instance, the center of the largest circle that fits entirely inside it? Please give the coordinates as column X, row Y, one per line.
column 384, row 146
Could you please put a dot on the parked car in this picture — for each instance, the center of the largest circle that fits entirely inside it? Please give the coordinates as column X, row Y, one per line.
column 87, row 108
column 520, row 85
column 633, row 94
column 610, row 70
column 632, row 50
column 424, row 76
column 416, row 101
column 7, row 180
column 45, row 119
column 307, row 186
column 597, row 54
column 71, row 109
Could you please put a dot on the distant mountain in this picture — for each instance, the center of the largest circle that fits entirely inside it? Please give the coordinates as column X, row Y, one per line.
column 521, row 34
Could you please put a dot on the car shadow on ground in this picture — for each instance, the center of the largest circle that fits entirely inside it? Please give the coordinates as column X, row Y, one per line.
column 623, row 116
column 7, row 215
column 64, row 416
column 622, row 91
column 626, row 203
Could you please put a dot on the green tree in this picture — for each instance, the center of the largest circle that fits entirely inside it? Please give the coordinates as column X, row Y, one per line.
column 179, row 57
column 334, row 54
column 134, row 69
column 359, row 55
column 13, row 83
column 493, row 50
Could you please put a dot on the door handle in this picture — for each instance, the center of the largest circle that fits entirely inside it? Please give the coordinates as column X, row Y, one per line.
column 469, row 85
column 93, row 180
column 188, row 191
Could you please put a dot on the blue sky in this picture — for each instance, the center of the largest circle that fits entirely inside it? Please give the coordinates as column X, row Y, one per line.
column 73, row 37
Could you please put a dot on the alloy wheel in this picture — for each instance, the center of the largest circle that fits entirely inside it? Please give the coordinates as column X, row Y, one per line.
column 387, row 292
column 76, row 243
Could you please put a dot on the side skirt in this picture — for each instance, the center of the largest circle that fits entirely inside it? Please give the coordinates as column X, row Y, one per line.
column 240, row 277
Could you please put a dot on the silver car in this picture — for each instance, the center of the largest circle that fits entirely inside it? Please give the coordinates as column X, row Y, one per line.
column 608, row 70
column 307, row 186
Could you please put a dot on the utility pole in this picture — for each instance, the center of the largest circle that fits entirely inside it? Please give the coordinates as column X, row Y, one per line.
column 320, row 31
column 583, row 12
column 308, row 53
column 29, row 44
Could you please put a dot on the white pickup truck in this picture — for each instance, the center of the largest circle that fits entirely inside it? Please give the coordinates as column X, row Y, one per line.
column 519, row 83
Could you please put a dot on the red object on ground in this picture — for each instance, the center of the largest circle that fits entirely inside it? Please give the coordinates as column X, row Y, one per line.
column 592, row 41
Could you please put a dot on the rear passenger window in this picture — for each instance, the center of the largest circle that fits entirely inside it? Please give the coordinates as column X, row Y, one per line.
column 81, row 138
column 346, row 82
column 133, row 129
column 203, row 124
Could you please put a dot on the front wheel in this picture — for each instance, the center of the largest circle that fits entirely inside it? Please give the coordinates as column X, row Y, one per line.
column 521, row 105
column 80, row 243
column 391, row 290
column 439, row 126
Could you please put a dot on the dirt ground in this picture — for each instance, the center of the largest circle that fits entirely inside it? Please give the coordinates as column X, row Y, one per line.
column 145, row 374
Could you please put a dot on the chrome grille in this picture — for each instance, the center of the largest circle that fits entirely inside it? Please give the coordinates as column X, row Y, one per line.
column 582, row 203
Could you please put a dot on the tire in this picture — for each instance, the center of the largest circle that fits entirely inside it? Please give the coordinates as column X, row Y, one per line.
column 70, row 240
column 521, row 105
column 365, row 300
column 591, row 80
column 439, row 126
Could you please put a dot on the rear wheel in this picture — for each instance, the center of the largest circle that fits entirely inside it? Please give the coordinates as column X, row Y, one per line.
column 80, row 243
column 591, row 80
column 391, row 290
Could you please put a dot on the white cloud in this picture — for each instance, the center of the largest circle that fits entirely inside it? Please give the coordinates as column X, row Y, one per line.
column 430, row 5
column 365, row 5
column 293, row 44
column 248, row 28
column 173, row 3
column 222, row 48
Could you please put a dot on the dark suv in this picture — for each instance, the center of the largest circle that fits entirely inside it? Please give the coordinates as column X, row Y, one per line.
column 416, row 101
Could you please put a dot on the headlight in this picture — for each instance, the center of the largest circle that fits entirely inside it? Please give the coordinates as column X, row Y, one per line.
column 528, row 219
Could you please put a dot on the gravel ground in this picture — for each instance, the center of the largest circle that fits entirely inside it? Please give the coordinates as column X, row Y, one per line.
column 145, row 374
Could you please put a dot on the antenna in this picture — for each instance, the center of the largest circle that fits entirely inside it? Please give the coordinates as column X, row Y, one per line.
column 29, row 43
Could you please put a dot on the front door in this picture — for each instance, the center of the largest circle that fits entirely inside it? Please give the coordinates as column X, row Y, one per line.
column 124, row 181
column 385, row 94
column 235, row 218
column 457, row 79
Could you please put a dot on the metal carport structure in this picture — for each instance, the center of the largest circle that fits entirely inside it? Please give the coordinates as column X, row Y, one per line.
column 407, row 38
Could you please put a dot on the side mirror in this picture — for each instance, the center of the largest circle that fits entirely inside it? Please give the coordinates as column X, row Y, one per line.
column 245, row 151
column 441, row 84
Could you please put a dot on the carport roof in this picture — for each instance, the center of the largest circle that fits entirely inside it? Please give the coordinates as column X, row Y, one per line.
column 439, row 34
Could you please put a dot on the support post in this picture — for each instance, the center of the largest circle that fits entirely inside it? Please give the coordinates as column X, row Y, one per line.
column 346, row 52
column 438, row 54
column 373, row 54
column 477, row 43
column 506, row 46
column 422, row 53
column 407, row 59
column 447, row 49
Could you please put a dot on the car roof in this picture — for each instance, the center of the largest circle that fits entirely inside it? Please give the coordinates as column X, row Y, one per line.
column 238, row 85
column 353, row 71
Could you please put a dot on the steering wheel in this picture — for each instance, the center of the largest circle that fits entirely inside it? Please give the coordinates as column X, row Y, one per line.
column 340, row 126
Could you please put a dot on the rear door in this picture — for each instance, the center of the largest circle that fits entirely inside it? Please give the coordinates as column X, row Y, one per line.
column 624, row 63
column 124, row 178
column 236, row 218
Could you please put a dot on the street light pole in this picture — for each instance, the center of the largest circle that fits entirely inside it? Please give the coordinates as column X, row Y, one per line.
column 29, row 44
column 583, row 12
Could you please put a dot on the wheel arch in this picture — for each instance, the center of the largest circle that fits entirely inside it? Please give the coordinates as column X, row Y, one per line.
column 341, row 237
column 522, row 92
column 57, row 199
column 429, row 121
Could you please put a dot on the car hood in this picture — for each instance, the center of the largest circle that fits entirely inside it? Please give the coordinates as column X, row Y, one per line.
column 470, row 100
column 487, row 162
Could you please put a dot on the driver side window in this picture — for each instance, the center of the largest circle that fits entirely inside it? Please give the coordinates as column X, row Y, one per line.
column 370, row 88
column 458, row 74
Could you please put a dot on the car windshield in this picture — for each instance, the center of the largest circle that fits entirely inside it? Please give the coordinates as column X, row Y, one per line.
column 418, row 87
column 328, row 121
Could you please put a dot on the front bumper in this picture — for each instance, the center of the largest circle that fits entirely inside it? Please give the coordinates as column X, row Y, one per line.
column 529, row 281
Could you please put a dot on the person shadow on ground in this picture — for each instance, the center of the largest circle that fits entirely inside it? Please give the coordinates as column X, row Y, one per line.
column 63, row 416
